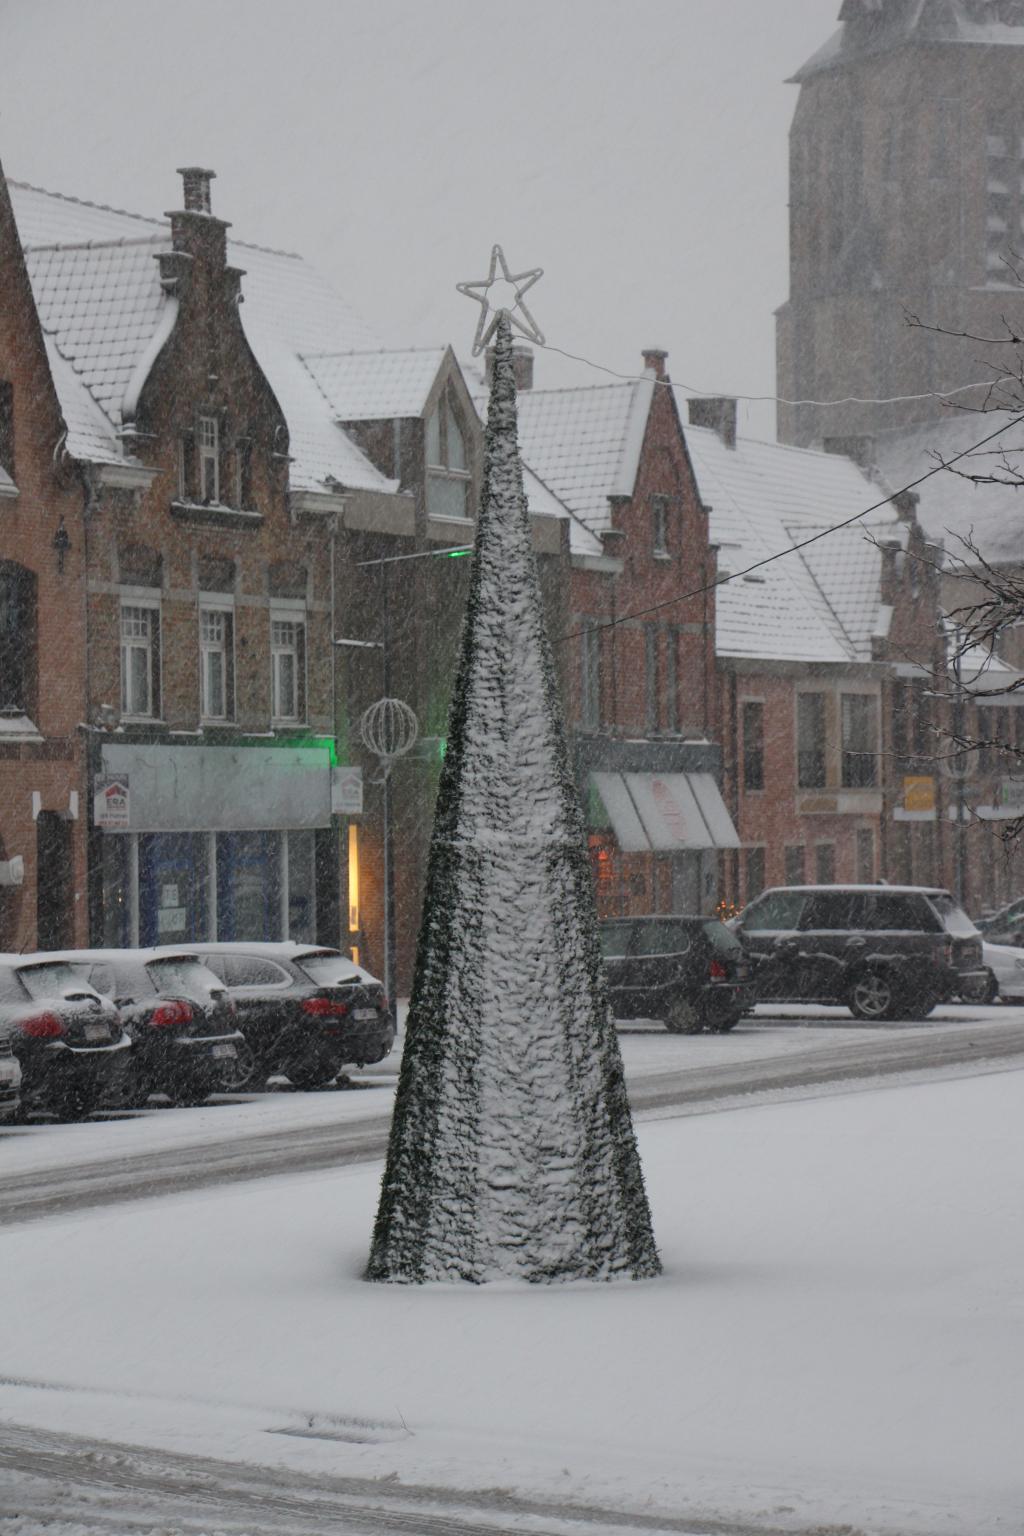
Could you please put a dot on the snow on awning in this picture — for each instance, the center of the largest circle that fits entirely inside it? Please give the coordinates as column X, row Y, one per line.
column 665, row 813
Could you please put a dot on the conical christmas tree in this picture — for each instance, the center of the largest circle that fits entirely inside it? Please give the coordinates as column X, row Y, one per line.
column 512, row 1152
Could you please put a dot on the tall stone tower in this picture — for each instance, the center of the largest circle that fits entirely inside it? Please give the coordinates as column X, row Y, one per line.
column 906, row 194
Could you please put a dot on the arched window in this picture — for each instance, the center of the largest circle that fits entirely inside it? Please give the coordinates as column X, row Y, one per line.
column 17, row 639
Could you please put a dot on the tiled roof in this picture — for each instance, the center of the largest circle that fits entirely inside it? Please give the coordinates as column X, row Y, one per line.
column 816, row 604
column 378, row 385
column 952, row 508
column 874, row 26
column 97, row 288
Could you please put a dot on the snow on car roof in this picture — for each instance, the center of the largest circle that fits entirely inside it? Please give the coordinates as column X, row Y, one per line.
column 873, row 889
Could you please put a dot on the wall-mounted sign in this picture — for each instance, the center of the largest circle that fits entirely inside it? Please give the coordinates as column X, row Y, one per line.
column 919, row 794
column 111, row 802
column 346, row 791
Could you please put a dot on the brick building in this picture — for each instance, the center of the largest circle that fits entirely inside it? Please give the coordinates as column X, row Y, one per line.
column 210, row 488
column 42, row 634
column 641, row 691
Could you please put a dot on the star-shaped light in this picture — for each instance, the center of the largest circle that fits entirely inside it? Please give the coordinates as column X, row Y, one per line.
column 519, row 315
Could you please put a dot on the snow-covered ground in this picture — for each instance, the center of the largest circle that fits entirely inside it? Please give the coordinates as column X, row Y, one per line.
column 838, row 1338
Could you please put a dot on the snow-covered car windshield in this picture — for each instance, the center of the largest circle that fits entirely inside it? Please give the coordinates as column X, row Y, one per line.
column 329, row 970
column 954, row 918
column 52, row 980
column 187, row 976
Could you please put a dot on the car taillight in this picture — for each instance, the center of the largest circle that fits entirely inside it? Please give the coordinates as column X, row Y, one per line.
column 948, row 951
column 323, row 1007
column 42, row 1026
column 717, row 971
column 169, row 1014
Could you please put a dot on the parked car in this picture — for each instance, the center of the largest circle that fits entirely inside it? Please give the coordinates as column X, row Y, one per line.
column 690, row 972
column 305, row 1011
column 66, row 1039
column 885, row 951
column 1006, row 966
column 1005, row 926
column 185, row 1039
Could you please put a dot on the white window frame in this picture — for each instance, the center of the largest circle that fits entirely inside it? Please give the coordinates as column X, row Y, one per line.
column 217, row 605
column 150, row 605
column 659, row 525
column 444, row 470
column 282, row 613
column 208, row 453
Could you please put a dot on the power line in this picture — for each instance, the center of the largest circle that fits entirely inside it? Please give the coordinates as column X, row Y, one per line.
column 691, row 389
column 791, row 549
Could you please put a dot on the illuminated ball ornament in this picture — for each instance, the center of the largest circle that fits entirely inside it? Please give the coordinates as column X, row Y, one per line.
column 389, row 728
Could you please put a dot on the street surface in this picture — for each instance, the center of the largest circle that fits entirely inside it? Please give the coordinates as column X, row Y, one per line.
column 797, row 1053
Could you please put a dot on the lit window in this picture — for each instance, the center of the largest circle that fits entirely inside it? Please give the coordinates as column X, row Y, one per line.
column 140, row 672
column 209, row 459
column 448, row 476
column 216, row 668
column 288, row 666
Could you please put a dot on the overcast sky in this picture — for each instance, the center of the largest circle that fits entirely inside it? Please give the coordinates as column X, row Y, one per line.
column 635, row 149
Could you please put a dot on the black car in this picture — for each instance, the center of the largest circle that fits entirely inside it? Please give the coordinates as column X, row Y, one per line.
column 884, row 951
column 305, row 1011
column 185, row 1038
column 66, row 1038
column 690, row 972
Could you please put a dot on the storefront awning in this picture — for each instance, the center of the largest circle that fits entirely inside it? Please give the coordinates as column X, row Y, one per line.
column 667, row 813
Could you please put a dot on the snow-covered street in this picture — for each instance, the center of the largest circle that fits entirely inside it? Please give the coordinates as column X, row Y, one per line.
column 836, row 1340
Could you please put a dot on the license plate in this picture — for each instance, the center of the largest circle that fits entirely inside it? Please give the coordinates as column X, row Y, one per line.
column 365, row 1013
column 223, row 1050
column 97, row 1032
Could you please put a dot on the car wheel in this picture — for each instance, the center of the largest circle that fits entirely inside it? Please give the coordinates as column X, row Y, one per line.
column 992, row 989
column 188, row 1094
column 242, row 1073
column 78, row 1103
column 307, row 1079
column 872, row 996
column 683, row 1018
column 723, row 1026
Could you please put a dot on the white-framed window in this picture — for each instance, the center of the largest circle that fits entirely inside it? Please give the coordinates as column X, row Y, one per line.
column 140, row 659
column 448, row 477
column 859, row 721
column 288, row 666
column 209, row 459
column 590, row 674
column 216, row 662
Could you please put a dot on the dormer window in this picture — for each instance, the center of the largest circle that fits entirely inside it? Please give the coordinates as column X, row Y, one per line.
column 448, row 475
column 209, row 459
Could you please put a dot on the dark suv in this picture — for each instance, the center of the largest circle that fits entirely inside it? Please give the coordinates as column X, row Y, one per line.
column 690, row 972
column 885, row 951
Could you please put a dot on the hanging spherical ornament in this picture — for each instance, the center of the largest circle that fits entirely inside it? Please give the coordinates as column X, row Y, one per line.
column 389, row 728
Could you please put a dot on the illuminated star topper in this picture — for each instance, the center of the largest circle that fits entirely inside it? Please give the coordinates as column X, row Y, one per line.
column 519, row 315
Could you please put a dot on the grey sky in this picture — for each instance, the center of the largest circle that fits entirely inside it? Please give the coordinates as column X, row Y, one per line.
column 636, row 149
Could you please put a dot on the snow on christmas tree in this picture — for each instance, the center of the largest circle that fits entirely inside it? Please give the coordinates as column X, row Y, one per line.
column 512, row 1153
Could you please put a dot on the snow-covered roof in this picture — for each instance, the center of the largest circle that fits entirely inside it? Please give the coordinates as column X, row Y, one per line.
column 873, row 26
column 7, row 485
column 818, row 604
column 96, row 283
column 378, row 385
column 952, row 508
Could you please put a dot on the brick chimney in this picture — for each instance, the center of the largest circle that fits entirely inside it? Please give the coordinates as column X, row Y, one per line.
column 717, row 412
column 522, row 366
column 654, row 359
column 860, row 449
column 194, row 230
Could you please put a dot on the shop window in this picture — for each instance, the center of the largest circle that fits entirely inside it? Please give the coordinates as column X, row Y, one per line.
column 755, row 872
column 216, row 663
column 288, row 668
column 796, row 867
column 140, row 660
column 17, row 639
column 753, row 745
column 448, row 477
column 590, row 674
column 810, row 740
column 859, row 740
